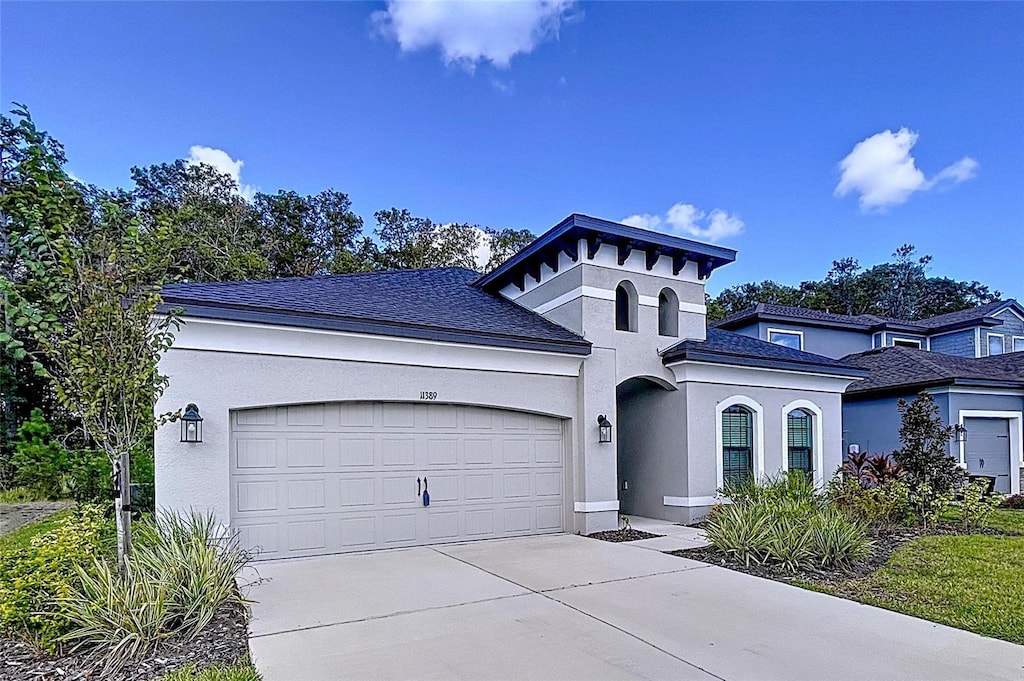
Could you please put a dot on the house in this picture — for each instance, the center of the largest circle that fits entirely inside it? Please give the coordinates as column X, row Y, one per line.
column 971, row 362
column 575, row 382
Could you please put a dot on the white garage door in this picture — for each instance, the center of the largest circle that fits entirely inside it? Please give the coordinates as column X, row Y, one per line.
column 329, row 478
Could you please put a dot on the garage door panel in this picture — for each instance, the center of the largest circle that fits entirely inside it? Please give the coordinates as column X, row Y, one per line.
column 335, row 477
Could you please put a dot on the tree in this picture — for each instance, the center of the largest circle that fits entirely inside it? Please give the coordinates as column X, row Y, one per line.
column 741, row 297
column 86, row 315
column 505, row 243
column 931, row 472
column 411, row 242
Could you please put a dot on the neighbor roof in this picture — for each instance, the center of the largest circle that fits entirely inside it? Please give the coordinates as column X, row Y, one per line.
column 770, row 312
column 726, row 347
column 565, row 237
column 432, row 304
column 902, row 369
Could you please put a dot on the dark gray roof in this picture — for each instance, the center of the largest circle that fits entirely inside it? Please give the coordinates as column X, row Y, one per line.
column 773, row 312
column 970, row 316
column 902, row 369
column 433, row 304
column 726, row 347
column 867, row 322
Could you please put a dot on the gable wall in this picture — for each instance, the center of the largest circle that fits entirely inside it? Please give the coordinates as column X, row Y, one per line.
column 959, row 343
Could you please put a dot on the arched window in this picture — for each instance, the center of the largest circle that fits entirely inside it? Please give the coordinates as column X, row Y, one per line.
column 625, row 307
column 737, row 445
column 800, row 451
column 668, row 313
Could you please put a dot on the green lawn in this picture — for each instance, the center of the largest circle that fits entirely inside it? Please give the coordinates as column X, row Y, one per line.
column 243, row 671
column 971, row 582
column 20, row 538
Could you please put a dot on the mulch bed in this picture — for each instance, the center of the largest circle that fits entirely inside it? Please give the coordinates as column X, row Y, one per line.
column 224, row 641
column 885, row 542
column 625, row 534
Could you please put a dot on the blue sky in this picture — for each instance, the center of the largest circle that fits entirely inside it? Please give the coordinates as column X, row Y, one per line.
column 795, row 133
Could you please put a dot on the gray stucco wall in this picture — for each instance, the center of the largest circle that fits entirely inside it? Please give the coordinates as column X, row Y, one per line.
column 668, row 442
column 874, row 425
column 197, row 475
column 960, row 343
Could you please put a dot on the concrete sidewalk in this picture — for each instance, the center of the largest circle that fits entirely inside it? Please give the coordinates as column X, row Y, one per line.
column 567, row 607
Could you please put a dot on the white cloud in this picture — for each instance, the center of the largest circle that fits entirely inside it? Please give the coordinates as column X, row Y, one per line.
column 883, row 172
column 686, row 219
column 473, row 31
column 222, row 161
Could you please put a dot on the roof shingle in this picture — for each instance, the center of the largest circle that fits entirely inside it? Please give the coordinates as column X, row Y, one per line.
column 903, row 367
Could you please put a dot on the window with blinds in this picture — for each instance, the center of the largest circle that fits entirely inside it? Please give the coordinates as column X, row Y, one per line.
column 737, row 445
column 800, row 450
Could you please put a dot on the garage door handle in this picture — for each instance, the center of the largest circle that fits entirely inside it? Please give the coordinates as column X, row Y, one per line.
column 417, row 486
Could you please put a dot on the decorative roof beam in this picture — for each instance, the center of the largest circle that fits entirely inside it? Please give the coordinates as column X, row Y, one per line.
column 519, row 279
column 593, row 243
column 653, row 255
column 679, row 262
column 533, row 269
column 625, row 248
column 551, row 259
column 572, row 249
column 704, row 268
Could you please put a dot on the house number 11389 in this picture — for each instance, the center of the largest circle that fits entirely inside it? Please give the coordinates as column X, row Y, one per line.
column 425, row 395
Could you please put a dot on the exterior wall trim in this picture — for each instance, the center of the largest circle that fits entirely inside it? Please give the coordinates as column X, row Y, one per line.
column 758, row 377
column 817, row 431
column 694, row 502
column 1016, row 440
column 595, row 506
column 758, row 410
column 608, row 294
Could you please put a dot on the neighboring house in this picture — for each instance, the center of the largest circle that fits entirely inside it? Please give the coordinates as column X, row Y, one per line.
column 575, row 382
column 971, row 361
column 993, row 329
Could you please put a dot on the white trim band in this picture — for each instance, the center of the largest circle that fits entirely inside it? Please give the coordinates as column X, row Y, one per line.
column 595, row 506
column 694, row 502
column 607, row 294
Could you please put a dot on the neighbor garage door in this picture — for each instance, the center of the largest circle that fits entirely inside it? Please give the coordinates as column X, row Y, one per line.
column 987, row 450
column 329, row 478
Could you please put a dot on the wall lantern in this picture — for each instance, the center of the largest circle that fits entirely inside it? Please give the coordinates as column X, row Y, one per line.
column 604, row 429
column 191, row 424
column 959, row 433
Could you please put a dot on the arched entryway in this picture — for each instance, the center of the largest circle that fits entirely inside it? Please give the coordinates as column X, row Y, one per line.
column 644, row 416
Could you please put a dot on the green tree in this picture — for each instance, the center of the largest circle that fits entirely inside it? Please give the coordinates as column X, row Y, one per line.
column 86, row 315
column 411, row 242
column 504, row 243
column 931, row 473
column 39, row 460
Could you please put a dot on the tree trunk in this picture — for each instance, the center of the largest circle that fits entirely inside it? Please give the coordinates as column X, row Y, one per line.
column 123, row 512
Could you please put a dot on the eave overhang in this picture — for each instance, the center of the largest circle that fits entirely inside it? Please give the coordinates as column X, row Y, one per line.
column 565, row 238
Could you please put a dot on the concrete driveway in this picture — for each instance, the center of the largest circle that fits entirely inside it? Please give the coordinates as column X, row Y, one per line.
column 567, row 607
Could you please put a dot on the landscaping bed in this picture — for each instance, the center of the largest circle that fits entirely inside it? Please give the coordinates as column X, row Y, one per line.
column 624, row 534
column 223, row 642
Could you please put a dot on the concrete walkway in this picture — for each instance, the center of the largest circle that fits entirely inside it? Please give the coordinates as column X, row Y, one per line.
column 567, row 607
column 674, row 537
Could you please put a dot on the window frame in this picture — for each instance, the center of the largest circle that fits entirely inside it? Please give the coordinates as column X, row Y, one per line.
column 1017, row 347
column 988, row 344
column 817, row 437
column 757, row 455
column 787, row 332
column 907, row 343
column 668, row 313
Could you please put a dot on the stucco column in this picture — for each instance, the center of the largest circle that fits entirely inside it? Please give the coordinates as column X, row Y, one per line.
column 596, row 502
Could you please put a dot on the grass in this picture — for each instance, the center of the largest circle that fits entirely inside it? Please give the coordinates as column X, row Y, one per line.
column 970, row 582
column 241, row 671
column 22, row 537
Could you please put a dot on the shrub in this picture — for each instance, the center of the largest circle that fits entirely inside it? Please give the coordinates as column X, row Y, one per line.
column 36, row 577
column 181, row 572
column 787, row 524
column 873, row 469
column 977, row 506
column 932, row 474
column 39, row 461
column 1015, row 501
column 879, row 507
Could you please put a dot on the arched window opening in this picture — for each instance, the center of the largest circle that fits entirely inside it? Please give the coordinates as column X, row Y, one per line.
column 737, row 445
column 625, row 307
column 799, row 426
column 668, row 313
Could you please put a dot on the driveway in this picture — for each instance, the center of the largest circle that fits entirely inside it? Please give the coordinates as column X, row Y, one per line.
column 567, row 607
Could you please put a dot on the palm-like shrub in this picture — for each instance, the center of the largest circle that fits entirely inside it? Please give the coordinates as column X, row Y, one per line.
column 181, row 573
column 787, row 523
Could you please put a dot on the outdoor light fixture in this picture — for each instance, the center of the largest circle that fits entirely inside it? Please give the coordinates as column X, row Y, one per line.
column 191, row 424
column 959, row 433
column 604, row 429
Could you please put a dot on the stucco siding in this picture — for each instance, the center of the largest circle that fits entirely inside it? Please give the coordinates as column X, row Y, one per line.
column 873, row 425
column 197, row 475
